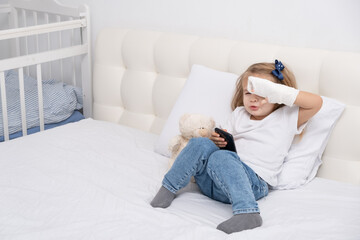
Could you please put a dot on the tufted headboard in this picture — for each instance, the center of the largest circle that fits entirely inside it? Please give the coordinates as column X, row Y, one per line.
column 138, row 76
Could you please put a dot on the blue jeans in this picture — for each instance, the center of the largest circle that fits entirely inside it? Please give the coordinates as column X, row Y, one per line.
column 220, row 175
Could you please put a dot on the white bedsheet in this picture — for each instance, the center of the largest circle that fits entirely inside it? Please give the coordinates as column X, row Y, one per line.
column 94, row 180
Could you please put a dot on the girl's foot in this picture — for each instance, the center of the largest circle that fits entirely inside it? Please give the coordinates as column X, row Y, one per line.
column 163, row 198
column 240, row 222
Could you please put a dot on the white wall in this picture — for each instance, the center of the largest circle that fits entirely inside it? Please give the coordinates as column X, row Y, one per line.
column 327, row 24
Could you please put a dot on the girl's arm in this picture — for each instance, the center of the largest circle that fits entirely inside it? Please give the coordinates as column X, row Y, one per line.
column 309, row 104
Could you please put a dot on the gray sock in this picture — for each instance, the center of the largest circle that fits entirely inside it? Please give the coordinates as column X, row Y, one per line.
column 241, row 222
column 163, row 198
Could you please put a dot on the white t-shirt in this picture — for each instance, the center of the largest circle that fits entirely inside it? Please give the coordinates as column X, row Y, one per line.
column 264, row 144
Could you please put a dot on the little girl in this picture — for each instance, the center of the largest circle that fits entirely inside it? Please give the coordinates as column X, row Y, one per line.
column 268, row 111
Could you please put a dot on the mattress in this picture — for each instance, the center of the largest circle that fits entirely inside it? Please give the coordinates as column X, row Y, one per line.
column 75, row 116
column 94, row 180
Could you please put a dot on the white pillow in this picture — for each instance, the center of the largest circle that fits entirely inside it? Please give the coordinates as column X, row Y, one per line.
column 206, row 91
column 304, row 157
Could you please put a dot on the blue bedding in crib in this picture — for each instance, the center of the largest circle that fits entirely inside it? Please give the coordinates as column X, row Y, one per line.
column 60, row 101
column 76, row 116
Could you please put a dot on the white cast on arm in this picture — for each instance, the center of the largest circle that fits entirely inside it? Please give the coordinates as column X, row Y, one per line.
column 274, row 92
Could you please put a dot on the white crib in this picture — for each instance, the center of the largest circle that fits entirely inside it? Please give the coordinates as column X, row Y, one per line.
column 47, row 40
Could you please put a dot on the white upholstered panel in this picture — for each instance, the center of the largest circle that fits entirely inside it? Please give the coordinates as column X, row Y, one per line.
column 138, row 76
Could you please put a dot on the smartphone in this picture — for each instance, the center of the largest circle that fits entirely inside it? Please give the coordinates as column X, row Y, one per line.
column 228, row 138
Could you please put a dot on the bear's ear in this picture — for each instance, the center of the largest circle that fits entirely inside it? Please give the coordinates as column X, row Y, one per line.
column 183, row 118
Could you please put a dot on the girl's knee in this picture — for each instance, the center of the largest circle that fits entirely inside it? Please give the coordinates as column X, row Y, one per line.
column 215, row 159
column 202, row 143
column 220, row 158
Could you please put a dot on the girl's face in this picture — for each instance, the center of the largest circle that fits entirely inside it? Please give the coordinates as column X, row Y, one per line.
column 257, row 106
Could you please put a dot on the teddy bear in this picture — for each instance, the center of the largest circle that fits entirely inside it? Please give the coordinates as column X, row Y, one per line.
column 190, row 126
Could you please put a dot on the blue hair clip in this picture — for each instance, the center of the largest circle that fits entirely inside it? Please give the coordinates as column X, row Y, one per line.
column 277, row 71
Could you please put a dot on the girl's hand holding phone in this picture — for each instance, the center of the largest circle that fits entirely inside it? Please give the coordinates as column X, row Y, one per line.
column 228, row 139
column 218, row 140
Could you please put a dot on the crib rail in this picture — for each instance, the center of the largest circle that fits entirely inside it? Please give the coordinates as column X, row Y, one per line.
column 23, row 62
column 40, row 29
column 48, row 56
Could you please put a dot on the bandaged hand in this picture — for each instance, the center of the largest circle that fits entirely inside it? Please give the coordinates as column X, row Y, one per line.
column 273, row 92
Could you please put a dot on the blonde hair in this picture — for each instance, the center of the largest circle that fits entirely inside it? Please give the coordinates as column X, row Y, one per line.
column 263, row 69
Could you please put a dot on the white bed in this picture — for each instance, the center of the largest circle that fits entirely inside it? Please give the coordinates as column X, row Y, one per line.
column 100, row 183
column 94, row 179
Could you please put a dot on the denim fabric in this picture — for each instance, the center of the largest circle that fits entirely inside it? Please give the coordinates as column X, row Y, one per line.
column 220, row 175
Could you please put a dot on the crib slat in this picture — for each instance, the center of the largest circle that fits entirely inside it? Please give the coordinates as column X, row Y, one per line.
column 22, row 101
column 86, row 64
column 26, row 39
column 48, row 43
column 4, row 106
column 14, row 24
column 40, row 96
column 35, row 16
column 73, row 58
column 58, row 19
